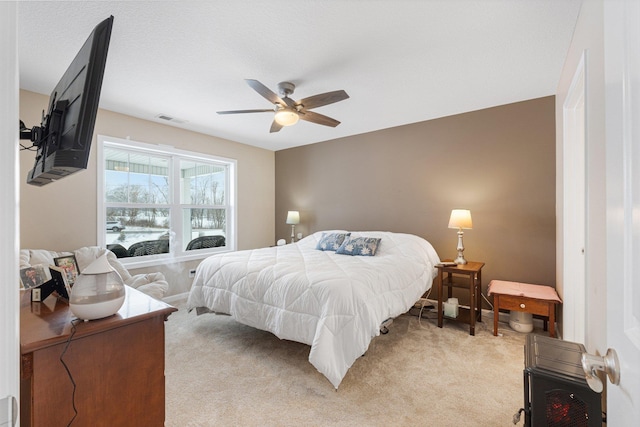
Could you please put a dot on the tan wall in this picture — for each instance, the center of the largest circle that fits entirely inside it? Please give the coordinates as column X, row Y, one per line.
column 62, row 215
column 498, row 162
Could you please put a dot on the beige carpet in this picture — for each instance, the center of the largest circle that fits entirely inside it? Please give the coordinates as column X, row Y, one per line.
column 222, row 373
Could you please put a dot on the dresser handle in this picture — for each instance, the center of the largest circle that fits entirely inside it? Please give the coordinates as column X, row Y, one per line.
column 522, row 305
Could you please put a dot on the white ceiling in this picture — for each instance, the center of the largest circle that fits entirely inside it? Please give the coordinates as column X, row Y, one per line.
column 401, row 61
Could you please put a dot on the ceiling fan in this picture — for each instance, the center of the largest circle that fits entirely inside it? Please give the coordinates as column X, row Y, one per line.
column 287, row 111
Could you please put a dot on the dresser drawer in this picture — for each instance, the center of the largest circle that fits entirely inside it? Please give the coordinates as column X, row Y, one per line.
column 530, row 305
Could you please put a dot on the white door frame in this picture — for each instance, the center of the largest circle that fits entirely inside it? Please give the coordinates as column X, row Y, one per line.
column 9, row 213
column 574, row 207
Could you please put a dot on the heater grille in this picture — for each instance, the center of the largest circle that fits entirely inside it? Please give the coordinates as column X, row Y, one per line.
column 564, row 409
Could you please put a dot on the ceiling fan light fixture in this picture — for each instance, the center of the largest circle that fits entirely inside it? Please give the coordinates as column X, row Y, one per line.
column 286, row 117
column 286, row 111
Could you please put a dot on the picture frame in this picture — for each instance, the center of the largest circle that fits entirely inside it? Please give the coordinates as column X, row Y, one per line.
column 60, row 278
column 34, row 276
column 69, row 264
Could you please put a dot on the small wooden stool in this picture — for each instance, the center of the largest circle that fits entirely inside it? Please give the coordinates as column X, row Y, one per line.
column 535, row 299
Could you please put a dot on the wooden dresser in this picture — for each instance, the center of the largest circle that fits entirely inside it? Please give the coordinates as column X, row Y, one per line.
column 117, row 364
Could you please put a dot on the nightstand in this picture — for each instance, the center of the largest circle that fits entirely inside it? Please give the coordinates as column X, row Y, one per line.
column 467, row 276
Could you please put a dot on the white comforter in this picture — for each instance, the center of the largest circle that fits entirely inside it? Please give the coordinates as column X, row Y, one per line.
column 334, row 303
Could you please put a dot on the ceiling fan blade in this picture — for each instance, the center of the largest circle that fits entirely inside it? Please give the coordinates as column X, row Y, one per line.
column 320, row 119
column 275, row 127
column 290, row 102
column 323, row 99
column 265, row 92
column 245, row 111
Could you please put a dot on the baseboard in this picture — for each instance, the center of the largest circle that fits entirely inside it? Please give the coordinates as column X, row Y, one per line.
column 503, row 317
column 175, row 298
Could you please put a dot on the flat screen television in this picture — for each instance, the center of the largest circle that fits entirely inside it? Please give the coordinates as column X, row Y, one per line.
column 64, row 137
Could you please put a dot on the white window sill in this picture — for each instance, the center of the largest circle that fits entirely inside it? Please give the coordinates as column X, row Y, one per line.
column 164, row 259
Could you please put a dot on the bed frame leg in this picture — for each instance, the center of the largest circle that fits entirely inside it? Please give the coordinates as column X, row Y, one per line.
column 384, row 326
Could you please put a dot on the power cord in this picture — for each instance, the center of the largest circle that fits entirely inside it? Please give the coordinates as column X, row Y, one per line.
column 28, row 148
column 488, row 302
column 74, row 323
column 517, row 415
column 423, row 303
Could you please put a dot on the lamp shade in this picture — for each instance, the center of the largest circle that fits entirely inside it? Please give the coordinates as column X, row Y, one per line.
column 286, row 117
column 293, row 217
column 460, row 218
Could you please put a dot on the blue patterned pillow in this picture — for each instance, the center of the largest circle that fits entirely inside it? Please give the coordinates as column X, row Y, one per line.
column 366, row 246
column 331, row 241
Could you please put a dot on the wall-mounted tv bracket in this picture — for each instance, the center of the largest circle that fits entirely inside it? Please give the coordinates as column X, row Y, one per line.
column 47, row 135
column 49, row 125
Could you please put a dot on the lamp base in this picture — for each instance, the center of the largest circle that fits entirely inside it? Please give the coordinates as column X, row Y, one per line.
column 460, row 260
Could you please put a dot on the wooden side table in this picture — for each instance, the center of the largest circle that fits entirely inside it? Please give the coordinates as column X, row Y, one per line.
column 473, row 272
column 539, row 300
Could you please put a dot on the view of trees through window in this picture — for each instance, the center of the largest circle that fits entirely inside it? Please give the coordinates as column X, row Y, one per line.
column 158, row 199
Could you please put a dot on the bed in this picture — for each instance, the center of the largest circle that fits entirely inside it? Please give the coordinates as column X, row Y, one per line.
column 331, row 290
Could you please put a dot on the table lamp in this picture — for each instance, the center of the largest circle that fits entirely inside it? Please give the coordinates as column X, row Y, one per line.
column 293, row 218
column 460, row 218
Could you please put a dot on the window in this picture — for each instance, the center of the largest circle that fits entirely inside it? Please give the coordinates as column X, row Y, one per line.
column 160, row 202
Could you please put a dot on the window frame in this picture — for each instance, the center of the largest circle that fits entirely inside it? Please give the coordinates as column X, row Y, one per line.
column 176, row 253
